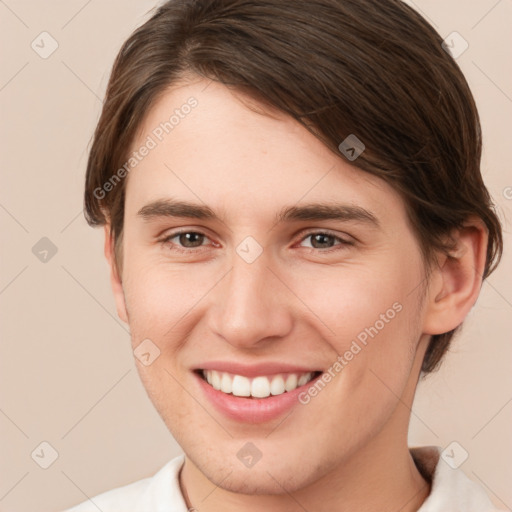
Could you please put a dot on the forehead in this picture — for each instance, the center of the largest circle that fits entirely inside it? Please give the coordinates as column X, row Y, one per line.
column 207, row 143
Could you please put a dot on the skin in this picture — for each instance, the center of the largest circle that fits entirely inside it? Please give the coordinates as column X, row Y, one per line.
column 297, row 302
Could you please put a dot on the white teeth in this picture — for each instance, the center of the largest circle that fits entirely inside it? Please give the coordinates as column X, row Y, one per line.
column 215, row 382
column 225, row 383
column 291, row 382
column 303, row 379
column 241, row 386
column 277, row 385
column 258, row 387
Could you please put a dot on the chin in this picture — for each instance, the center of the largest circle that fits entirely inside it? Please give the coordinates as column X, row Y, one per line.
column 258, row 483
column 265, row 478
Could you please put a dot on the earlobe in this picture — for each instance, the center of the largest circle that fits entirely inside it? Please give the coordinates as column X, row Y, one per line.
column 115, row 278
column 456, row 281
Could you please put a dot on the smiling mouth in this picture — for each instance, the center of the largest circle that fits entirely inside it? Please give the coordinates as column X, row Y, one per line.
column 257, row 387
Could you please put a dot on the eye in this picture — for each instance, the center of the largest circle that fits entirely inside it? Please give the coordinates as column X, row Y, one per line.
column 325, row 240
column 185, row 240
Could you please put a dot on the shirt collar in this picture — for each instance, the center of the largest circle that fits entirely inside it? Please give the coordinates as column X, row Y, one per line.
column 451, row 489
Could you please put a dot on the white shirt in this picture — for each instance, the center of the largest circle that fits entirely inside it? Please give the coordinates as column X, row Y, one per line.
column 451, row 489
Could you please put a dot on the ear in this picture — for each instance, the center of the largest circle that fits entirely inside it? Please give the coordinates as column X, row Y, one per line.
column 115, row 278
column 455, row 284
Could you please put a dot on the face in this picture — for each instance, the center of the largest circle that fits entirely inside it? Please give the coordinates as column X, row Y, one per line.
column 253, row 283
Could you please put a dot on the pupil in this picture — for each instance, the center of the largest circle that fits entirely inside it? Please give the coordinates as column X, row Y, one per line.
column 191, row 239
column 321, row 238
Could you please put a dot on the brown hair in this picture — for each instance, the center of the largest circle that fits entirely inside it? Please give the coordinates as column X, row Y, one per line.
column 373, row 68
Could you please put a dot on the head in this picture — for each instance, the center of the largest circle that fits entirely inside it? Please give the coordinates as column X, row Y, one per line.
column 242, row 108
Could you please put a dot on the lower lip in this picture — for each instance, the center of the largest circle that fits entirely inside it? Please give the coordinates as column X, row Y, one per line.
column 253, row 410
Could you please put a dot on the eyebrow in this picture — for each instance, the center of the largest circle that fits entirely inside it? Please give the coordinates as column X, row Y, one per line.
column 307, row 212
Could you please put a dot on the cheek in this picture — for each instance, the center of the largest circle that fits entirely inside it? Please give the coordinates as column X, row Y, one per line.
column 370, row 322
column 160, row 301
column 357, row 303
column 369, row 316
column 159, row 297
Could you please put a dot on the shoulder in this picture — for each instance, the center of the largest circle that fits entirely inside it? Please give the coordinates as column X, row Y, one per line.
column 154, row 493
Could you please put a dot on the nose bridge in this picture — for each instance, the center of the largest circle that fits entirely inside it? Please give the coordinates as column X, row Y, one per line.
column 249, row 306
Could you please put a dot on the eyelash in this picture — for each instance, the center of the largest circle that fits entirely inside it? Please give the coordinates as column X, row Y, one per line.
column 343, row 243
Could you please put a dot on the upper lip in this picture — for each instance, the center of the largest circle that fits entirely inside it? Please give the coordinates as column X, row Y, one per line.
column 254, row 370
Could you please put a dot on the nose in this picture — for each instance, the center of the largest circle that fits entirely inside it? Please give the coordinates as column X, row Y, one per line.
column 250, row 305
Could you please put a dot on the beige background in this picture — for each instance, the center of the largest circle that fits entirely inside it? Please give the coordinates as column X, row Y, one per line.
column 67, row 374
